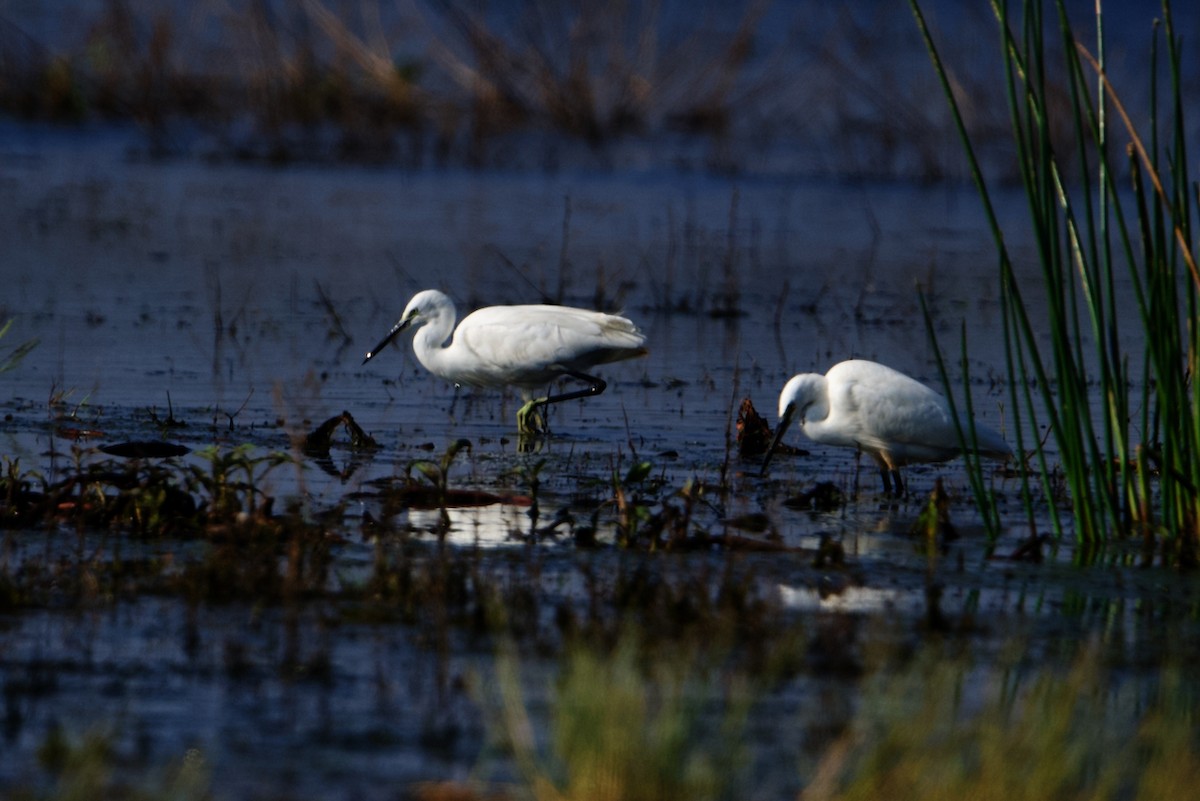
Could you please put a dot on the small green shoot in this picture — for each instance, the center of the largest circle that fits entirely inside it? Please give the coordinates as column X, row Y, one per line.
column 16, row 355
column 438, row 474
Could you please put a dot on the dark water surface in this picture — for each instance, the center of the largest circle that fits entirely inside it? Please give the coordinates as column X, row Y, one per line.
column 247, row 296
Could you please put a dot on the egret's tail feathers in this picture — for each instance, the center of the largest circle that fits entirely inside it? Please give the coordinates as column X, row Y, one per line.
column 990, row 443
column 622, row 331
column 622, row 339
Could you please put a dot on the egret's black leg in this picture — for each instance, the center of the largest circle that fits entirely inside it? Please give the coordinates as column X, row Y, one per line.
column 594, row 387
column 887, row 481
column 893, row 483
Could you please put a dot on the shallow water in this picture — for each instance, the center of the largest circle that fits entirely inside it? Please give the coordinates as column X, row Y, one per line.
column 242, row 300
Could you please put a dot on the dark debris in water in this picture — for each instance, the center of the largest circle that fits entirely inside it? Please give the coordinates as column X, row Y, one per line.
column 755, row 522
column 409, row 493
column 1031, row 549
column 77, row 433
column 145, row 449
column 754, row 434
column 320, row 439
column 830, row 554
column 825, row 496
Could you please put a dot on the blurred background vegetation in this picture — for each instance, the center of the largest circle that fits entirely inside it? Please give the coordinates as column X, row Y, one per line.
column 792, row 88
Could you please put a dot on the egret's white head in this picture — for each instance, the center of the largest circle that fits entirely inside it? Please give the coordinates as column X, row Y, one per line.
column 794, row 397
column 424, row 307
column 787, row 411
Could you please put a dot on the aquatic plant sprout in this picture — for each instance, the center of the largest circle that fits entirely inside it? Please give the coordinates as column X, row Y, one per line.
column 17, row 354
column 1089, row 231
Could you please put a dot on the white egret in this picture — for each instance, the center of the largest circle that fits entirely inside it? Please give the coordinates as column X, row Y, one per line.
column 522, row 346
column 875, row 409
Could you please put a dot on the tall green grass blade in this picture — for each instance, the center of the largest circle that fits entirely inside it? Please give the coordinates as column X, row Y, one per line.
column 17, row 354
column 1086, row 229
column 968, row 439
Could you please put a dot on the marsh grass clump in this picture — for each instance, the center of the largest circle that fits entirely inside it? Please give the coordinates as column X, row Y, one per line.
column 598, row 72
column 416, row 583
column 231, row 483
column 265, row 559
column 640, row 718
column 632, row 495
column 1123, row 425
column 322, row 80
column 943, row 728
column 22, row 495
column 140, row 497
column 652, row 515
column 94, row 767
column 622, row 727
column 249, row 549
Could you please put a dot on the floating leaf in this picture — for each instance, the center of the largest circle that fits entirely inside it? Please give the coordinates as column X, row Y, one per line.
column 145, row 449
column 638, row 473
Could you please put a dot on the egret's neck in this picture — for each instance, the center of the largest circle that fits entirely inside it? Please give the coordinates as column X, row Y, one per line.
column 430, row 343
column 812, row 398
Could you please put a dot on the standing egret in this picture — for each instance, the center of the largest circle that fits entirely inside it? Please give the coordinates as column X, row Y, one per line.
column 873, row 408
column 522, row 346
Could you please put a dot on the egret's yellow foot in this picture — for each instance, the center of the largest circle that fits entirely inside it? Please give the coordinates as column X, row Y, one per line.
column 529, row 419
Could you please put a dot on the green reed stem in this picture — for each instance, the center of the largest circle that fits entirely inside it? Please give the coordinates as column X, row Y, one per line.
column 968, row 439
column 1086, row 230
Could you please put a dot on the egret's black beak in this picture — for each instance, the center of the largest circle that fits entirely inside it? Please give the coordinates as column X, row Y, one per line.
column 784, row 422
column 383, row 343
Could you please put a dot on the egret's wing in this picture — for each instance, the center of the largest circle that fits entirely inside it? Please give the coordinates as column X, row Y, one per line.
column 909, row 421
column 896, row 413
column 528, row 345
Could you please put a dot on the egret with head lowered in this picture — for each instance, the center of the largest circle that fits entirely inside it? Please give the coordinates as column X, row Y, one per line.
column 880, row 411
column 525, row 347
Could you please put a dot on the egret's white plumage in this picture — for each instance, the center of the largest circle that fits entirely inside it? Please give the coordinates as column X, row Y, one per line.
column 880, row 411
column 525, row 347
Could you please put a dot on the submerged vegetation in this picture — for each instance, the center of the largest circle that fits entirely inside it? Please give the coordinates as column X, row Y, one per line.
column 639, row 719
column 942, row 728
column 652, row 680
